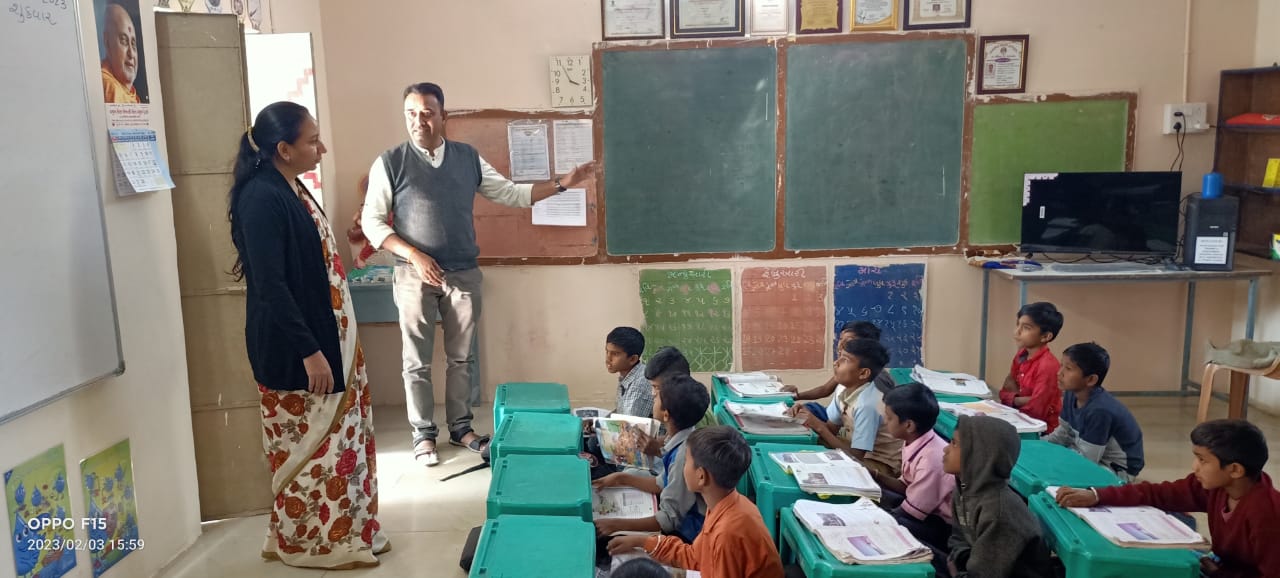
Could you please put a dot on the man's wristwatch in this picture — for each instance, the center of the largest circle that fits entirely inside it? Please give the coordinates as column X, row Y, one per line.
column 559, row 187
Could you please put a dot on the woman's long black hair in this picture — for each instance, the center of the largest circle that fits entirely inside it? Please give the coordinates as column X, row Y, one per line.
column 278, row 122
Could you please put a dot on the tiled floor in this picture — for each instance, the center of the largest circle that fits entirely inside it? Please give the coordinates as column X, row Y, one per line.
column 428, row 520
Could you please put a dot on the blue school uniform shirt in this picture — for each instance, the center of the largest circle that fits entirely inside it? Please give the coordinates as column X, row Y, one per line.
column 1104, row 431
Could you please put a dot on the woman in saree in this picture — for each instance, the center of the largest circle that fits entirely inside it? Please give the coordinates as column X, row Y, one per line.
column 300, row 332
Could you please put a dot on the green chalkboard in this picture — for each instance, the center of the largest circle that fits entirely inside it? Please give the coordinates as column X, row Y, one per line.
column 692, row 310
column 874, row 143
column 1036, row 137
column 690, row 150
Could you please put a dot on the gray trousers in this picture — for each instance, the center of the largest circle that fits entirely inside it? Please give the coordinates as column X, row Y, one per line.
column 457, row 304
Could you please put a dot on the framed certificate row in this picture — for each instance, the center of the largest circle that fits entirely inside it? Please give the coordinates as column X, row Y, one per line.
column 660, row 19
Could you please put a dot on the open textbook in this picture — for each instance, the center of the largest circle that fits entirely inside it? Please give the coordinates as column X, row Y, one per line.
column 828, row 473
column 620, row 440
column 623, row 503
column 1138, row 527
column 861, row 533
column 765, row 418
column 754, row 385
column 951, row 383
column 1022, row 421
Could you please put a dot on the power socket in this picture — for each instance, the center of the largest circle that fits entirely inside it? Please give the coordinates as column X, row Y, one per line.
column 1193, row 118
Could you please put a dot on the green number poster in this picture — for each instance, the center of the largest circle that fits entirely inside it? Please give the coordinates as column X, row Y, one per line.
column 692, row 310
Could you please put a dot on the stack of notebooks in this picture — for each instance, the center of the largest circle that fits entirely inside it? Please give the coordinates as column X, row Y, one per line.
column 828, row 473
column 754, row 385
column 861, row 533
column 765, row 419
column 1022, row 421
column 951, row 383
column 1138, row 527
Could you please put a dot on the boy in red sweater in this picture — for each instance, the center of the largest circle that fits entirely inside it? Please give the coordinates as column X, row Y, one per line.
column 1032, row 385
column 1226, row 482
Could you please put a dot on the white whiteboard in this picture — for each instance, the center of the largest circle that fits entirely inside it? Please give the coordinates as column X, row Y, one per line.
column 58, row 327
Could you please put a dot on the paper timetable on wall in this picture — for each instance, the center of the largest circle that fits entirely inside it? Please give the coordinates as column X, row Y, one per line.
column 691, row 309
column 892, row 297
column 784, row 316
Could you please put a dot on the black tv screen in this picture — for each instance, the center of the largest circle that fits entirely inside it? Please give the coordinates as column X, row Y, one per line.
column 1101, row 213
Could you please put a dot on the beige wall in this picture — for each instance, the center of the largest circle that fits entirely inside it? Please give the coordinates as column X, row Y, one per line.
column 549, row 322
column 1268, row 35
column 149, row 403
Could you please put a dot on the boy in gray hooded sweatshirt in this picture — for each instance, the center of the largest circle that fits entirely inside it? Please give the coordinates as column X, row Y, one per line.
column 994, row 534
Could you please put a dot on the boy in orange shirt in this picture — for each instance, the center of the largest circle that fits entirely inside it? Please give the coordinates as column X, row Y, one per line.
column 1032, row 384
column 734, row 542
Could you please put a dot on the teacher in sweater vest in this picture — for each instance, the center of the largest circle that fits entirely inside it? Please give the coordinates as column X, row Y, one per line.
column 429, row 184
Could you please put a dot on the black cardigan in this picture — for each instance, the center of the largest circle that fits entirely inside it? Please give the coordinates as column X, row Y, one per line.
column 289, row 312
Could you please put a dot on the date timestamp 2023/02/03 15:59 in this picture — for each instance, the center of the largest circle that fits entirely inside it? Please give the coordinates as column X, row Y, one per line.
column 91, row 544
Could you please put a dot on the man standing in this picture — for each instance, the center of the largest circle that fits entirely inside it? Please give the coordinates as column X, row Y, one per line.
column 120, row 66
column 430, row 185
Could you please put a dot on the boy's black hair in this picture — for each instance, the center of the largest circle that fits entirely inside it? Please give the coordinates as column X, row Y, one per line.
column 1233, row 441
column 871, row 354
column 1091, row 358
column 1045, row 315
column 640, row 568
column 722, row 452
column 863, row 329
column 914, row 402
column 664, row 364
column 685, row 400
column 628, row 339
column 425, row 89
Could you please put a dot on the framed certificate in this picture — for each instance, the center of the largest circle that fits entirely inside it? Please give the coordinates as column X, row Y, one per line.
column 768, row 17
column 934, row 14
column 706, row 18
column 870, row 15
column 819, row 16
column 1004, row 64
column 633, row 19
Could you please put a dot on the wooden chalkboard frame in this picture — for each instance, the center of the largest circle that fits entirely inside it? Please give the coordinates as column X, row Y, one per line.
column 779, row 252
column 1130, row 138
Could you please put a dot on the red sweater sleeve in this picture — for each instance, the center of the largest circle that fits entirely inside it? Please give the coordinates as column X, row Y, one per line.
column 1185, row 495
column 1045, row 402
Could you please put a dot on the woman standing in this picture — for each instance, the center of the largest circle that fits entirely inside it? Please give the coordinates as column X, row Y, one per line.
column 301, row 336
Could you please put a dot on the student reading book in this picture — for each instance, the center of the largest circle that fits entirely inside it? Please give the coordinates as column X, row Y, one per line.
column 1227, row 483
column 862, row 434
column 734, row 542
column 681, row 402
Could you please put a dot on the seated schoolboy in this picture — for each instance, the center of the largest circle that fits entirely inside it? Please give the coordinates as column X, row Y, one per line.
column 1095, row 423
column 1032, row 384
column 848, row 332
column 680, row 404
column 921, row 498
column 666, row 363
column 862, row 433
column 994, row 534
column 622, row 349
column 734, row 542
column 1227, row 483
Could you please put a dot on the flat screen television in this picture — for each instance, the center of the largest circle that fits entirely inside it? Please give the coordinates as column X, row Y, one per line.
column 1101, row 213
